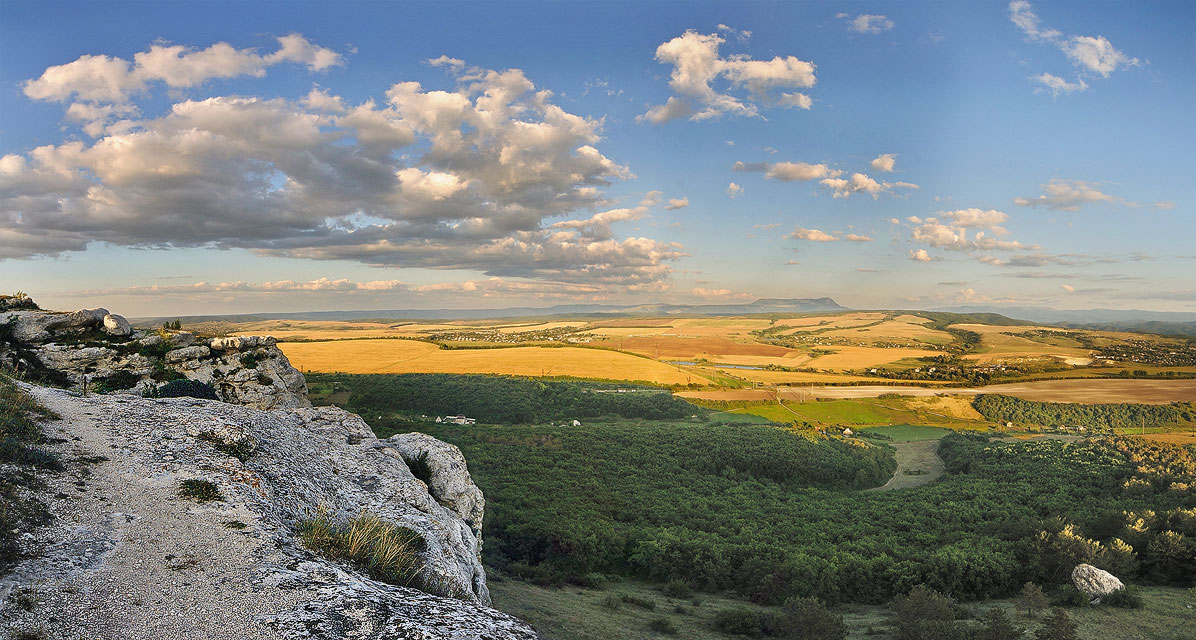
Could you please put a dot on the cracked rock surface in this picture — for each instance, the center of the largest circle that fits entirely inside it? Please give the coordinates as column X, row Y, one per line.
column 126, row 557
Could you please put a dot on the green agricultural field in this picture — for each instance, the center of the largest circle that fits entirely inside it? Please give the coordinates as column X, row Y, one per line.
column 908, row 432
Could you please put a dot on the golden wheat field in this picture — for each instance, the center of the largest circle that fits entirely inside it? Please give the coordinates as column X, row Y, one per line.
column 410, row 356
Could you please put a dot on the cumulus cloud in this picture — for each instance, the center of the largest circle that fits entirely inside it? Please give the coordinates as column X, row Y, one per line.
column 813, row 235
column 734, row 190
column 1092, row 55
column 884, row 162
column 698, row 68
column 104, row 79
column 920, row 255
column 677, row 203
column 789, row 171
column 869, row 24
column 1068, row 195
column 483, row 167
column 1057, row 85
column 855, row 237
column 861, row 183
column 965, row 230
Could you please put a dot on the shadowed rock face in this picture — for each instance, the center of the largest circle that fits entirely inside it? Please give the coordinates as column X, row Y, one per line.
column 93, row 345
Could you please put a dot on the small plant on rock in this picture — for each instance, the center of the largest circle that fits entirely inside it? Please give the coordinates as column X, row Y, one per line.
column 185, row 389
column 200, row 490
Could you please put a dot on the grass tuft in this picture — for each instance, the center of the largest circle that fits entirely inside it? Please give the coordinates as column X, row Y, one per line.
column 385, row 551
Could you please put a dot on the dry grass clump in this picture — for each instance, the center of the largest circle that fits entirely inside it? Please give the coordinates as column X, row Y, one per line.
column 385, row 551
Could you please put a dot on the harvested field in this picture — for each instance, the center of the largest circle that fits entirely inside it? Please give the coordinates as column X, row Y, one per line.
column 1082, row 390
column 618, row 332
column 792, row 377
column 715, row 349
column 1180, row 438
column 996, row 346
column 896, row 329
column 737, row 395
column 847, row 358
column 409, row 356
column 1090, row 391
column 542, row 326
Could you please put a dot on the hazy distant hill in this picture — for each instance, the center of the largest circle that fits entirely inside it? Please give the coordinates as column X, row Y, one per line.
column 763, row 305
column 1162, row 322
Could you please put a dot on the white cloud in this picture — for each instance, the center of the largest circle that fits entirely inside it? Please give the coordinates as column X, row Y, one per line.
column 1091, row 54
column 1057, row 85
column 724, row 294
column 104, row 79
column 698, row 66
column 813, row 235
column 1064, row 195
column 1097, row 55
column 979, row 218
column 677, row 203
column 884, row 162
column 790, row 171
column 740, row 35
column 1164, row 204
column 857, row 238
column 1067, row 287
column 870, row 24
column 315, row 178
column 861, row 183
column 734, row 190
column 920, row 255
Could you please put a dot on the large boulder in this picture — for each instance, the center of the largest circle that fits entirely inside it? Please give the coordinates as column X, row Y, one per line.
column 445, row 473
column 1093, row 582
column 117, row 325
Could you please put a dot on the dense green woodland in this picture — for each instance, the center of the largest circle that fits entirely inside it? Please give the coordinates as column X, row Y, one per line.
column 766, row 513
column 501, row 399
column 1000, row 408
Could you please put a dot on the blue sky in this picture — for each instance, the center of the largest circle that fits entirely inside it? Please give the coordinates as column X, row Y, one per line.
column 178, row 158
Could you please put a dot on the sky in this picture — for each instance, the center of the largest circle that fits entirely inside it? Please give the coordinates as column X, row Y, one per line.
column 209, row 158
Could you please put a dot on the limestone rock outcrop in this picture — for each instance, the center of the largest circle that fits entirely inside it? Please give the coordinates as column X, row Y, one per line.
column 1093, row 582
column 128, row 557
column 101, row 350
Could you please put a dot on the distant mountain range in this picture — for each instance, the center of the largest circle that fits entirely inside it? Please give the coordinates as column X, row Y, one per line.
column 1178, row 323
column 763, row 305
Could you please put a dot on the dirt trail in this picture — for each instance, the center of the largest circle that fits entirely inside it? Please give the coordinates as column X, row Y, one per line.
column 913, row 456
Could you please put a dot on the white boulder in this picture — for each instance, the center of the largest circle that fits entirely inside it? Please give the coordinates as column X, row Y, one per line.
column 117, row 325
column 1095, row 583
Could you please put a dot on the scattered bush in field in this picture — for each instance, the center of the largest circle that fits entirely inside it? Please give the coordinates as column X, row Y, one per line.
column 1069, row 596
column 997, row 626
column 1031, row 599
column 677, row 589
column 637, row 601
column 1125, row 598
column 810, row 619
column 184, row 389
column 737, row 620
column 612, row 602
column 385, row 551
column 925, row 614
column 200, row 490
column 663, row 625
column 1057, row 626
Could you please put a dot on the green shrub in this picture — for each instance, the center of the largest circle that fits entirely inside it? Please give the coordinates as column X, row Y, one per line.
column 612, row 602
column 810, row 619
column 637, row 601
column 241, row 449
column 737, row 620
column 663, row 625
column 385, row 551
column 925, row 614
column 1069, row 596
column 200, row 490
column 185, row 389
column 1125, row 598
column 678, row 589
